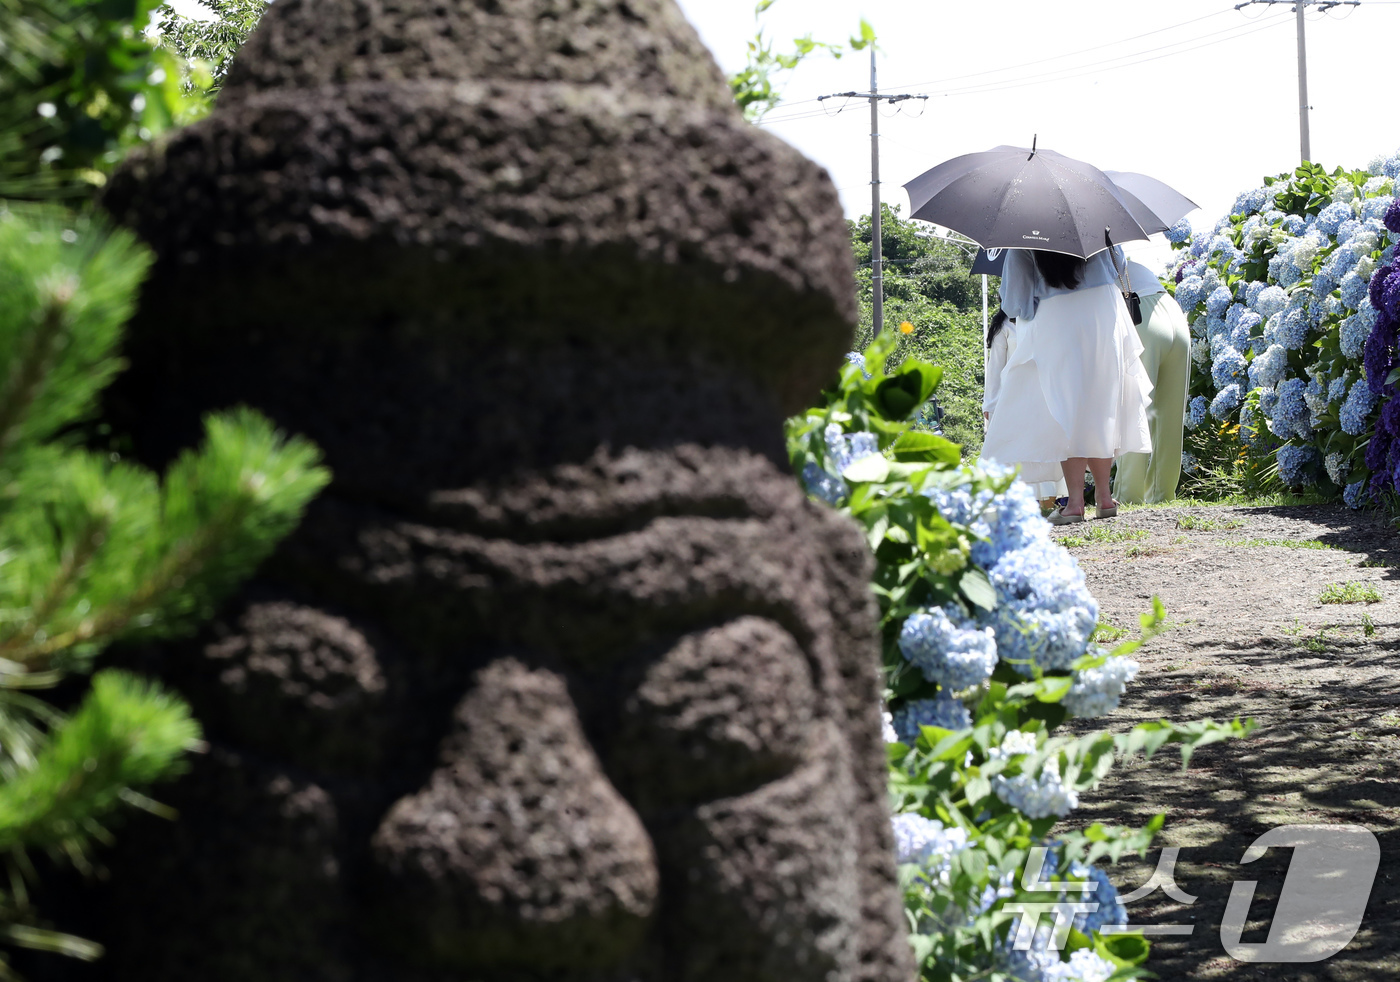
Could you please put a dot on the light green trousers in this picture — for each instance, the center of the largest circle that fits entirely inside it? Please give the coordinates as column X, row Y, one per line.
column 1166, row 342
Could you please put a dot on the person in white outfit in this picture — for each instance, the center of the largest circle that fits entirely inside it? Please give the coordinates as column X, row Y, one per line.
column 1001, row 345
column 1073, row 394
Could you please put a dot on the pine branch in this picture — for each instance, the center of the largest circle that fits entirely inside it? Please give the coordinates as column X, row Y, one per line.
column 31, row 369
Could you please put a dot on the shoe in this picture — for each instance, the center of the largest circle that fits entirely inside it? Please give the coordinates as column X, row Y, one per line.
column 1055, row 518
column 1106, row 512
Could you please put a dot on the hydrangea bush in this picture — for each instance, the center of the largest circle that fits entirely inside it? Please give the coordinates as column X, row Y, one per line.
column 1294, row 304
column 987, row 630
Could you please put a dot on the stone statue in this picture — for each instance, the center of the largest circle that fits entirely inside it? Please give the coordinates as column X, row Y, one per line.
column 562, row 678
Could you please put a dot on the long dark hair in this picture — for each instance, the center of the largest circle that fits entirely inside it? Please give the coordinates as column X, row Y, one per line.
column 1059, row 271
column 994, row 328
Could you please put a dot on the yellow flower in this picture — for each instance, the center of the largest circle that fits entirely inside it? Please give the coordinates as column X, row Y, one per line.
column 906, row 328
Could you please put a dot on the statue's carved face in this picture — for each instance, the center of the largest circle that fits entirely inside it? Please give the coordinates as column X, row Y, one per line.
column 633, row 753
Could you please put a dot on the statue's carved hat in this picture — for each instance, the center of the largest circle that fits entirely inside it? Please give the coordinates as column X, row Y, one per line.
column 581, row 159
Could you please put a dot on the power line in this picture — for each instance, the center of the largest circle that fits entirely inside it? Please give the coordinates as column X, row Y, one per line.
column 1040, row 61
column 1075, row 71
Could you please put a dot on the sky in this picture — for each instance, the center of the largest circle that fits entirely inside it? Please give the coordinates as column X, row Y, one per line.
column 1192, row 92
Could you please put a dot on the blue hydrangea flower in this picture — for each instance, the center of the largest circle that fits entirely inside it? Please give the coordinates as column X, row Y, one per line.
column 1179, row 232
column 1353, row 289
column 1290, row 328
column 1293, row 462
column 844, row 450
column 1330, row 218
column 1190, row 292
column 1323, row 283
column 1294, row 224
column 1291, row 416
column 1354, row 495
column 1268, row 402
column 1218, row 300
column 1347, row 230
column 1343, row 261
column 1357, row 408
column 1376, row 207
column 1252, row 291
column 823, row 485
column 857, row 359
column 1111, row 909
column 1337, row 390
column 1268, row 369
column 1229, row 367
column 944, row 712
column 1211, row 279
column 1225, row 401
column 1188, row 461
column 1196, row 412
column 1356, row 329
column 1045, row 613
column 1285, row 271
column 1250, row 201
column 1096, row 691
column 949, row 650
column 1245, row 329
column 1270, row 301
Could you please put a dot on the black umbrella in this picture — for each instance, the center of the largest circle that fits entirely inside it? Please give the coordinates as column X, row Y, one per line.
column 1018, row 198
column 989, row 263
column 1165, row 202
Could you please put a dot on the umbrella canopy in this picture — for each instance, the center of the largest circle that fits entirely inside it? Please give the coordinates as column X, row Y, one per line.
column 1019, row 198
column 989, row 263
column 1166, row 203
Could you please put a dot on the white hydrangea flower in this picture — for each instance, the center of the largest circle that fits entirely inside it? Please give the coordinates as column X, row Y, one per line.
column 1037, row 797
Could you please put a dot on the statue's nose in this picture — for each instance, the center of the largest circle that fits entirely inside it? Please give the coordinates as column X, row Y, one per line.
column 517, row 850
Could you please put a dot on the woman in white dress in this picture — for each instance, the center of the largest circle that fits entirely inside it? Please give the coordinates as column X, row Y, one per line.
column 1073, row 394
column 1001, row 345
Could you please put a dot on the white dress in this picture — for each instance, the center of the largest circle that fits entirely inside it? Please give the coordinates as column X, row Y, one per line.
column 998, row 353
column 1073, row 387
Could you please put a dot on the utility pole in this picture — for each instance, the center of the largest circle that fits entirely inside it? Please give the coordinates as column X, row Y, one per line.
column 877, row 276
column 1299, row 7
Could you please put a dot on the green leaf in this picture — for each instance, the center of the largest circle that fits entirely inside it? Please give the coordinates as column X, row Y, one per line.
column 916, row 445
column 1123, row 950
column 978, row 589
column 868, row 469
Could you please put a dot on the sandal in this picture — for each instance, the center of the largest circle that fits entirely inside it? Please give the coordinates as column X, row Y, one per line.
column 1056, row 518
column 1106, row 512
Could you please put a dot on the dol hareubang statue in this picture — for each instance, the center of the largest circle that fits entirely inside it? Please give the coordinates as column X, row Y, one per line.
column 562, row 678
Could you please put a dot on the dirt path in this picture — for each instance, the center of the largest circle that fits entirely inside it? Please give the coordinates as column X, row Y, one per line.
column 1252, row 639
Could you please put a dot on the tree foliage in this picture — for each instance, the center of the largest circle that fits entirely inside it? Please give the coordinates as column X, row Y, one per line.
column 207, row 47
column 928, row 286
column 79, row 84
column 95, row 549
column 754, row 86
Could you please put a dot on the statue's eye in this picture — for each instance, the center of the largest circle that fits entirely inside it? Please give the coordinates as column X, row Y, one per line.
column 296, row 683
column 723, row 711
